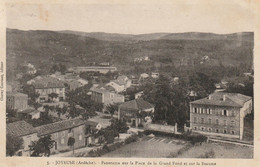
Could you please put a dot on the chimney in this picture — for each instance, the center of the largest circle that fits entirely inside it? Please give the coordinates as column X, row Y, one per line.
column 224, row 97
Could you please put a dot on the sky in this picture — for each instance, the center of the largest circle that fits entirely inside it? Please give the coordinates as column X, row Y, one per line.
column 132, row 18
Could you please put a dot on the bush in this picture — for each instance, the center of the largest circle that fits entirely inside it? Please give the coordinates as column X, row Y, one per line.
column 131, row 139
column 210, row 154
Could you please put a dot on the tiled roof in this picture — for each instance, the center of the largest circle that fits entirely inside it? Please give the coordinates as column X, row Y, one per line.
column 136, row 104
column 217, row 98
column 27, row 111
column 17, row 94
column 47, row 82
column 59, row 126
column 19, row 128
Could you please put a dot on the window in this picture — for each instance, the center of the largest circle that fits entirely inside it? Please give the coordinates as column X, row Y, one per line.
column 202, row 128
column 203, row 111
column 209, row 129
column 208, row 110
column 225, row 122
column 9, row 100
column 62, row 141
column 195, row 128
column 216, row 130
column 195, row 110
column 202, row 120
column 232, row 123
column 195, row 119
column 225, row 131
column 232, row 113
column 225, row 112
column 70, row 130
column 209, row 120
column 200, row 110
column 217, row 122
column 232, row 132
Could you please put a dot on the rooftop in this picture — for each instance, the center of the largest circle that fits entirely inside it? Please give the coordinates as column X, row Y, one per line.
column 136, row 104
column 224, row 99
column 16, row 94
column 20, row 128
column 59, row 126
column 47, row 82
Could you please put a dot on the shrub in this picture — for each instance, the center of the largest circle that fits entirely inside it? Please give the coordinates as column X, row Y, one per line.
column 210, row 154
column 131, row 139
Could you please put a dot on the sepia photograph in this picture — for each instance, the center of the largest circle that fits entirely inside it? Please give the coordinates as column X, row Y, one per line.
column 129, row 80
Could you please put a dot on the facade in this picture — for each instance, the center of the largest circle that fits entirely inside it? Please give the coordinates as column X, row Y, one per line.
column 25, row 131
column 220, row 114
column 29, row 114
column 47, row 85
column 16, row 101
column 100, row 69
column 106, row 97
column 131, row 111
column 61, row 132
column 121, row 83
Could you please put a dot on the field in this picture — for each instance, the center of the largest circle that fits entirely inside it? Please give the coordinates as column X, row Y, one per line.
column 162, row 147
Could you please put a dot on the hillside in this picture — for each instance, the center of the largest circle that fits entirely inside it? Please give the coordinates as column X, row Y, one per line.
column 45, row 48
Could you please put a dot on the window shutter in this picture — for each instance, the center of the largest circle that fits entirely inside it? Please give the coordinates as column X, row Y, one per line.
column 227, row 112
column 222, row 112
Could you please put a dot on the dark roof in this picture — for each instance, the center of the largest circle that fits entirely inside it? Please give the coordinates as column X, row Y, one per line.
column 59, row 126
column 91, row 123
column 47, row 82
column 136, row 104
column 19, row 128
column 231, row 99
column 17, row 94
column 27, row 111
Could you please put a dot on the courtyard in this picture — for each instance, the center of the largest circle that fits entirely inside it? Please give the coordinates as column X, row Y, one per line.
column 166, row 147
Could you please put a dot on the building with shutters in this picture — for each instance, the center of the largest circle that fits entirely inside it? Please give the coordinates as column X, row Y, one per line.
column 220, row 114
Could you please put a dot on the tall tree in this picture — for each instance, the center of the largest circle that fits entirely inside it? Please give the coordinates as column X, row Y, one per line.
column 42, row 146
column 13, row 144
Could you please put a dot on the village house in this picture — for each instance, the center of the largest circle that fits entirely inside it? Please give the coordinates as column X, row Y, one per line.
column 61, row 132
column 155, row 75
column 29, row 113
column 47, row 85
column 220, row 114
column 25, row 131
column 106, row 97
column 121, row 83
column 132, row 112
column 16, row 101
column 100, row 69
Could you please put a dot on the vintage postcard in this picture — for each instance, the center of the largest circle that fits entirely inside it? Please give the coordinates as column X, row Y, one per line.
column 129, row 83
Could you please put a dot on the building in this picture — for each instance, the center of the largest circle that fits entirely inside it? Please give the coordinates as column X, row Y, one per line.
column 47, row 85
column 132, row 111
column 61, row 132
column 25, row 131
column 106, row 97
column 100, row 69
column 29, row 113
column 16, row 101
column 220, row 114
column 139, row 94
column 121, row 83
column 155, row 75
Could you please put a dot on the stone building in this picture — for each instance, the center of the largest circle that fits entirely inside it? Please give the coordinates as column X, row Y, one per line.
column 220, row 114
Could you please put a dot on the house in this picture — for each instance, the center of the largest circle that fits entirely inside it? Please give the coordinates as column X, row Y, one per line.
column 155, row 75
column 220, row 114
column 92, row 133
column 61, row 132
column 139, row 94
column 134, row 111
column 16, row 101
column 106, row 97
column 47, row 85
column 100, row 69
column 144, row 76
column 25, row 131
column 29, row 113
column 121, row 83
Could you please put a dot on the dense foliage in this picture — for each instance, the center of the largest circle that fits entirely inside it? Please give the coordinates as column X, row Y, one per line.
column 13, row 144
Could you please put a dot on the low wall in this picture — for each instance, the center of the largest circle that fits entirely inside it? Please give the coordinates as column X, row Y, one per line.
column 161, row 128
